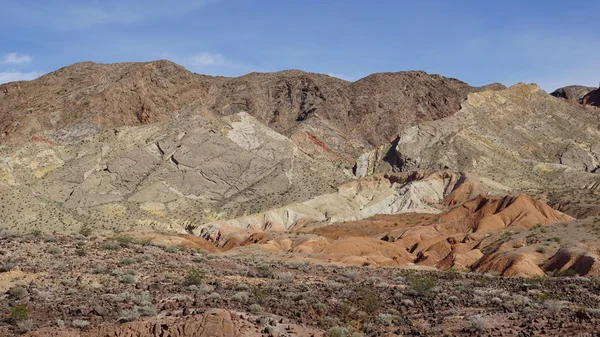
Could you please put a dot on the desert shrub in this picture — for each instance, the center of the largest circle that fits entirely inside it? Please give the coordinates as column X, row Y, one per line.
column 338, row 331
column 198, row 259
column 19, row 312
column 284, row 276
column 85, row 230
column 80, row 251
column 36, row 233
column 142, row 298
column 60, row 323
column 127, row 261
column 478, row 323
column 195, row 277
column 369, row 299
column 385, row 319
column 260, row 295
column 18, row 292
column 54, row 251
column 171, row 249
column 540, row 250
column 137, row 312
column 352, row 274
column 421, row 284
column 111, row 246
column 320, row 307
column 453, row 299
column 241, row 296
column 80, row 323
column 565, row 273
column 264, row 271
column 128, row 279
column 408, row 303
column 554, row 307
column 7, row 266
column 255, row 309
column 147, row 310
column 26, row 325
column 593, row 312
column 214, row 296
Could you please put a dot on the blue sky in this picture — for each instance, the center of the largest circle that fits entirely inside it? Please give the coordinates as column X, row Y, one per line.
column 553, row 43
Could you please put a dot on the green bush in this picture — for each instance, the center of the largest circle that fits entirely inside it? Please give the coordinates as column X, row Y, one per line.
column 54, row 251
column 19, row 312
column 422, row 284
column 195, row 277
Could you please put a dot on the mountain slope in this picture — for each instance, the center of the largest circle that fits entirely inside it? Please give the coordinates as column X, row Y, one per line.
column 327, row 117
column 520, row 137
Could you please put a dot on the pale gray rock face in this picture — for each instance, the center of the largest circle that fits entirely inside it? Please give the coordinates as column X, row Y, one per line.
column 584, row 159
column 170, row 175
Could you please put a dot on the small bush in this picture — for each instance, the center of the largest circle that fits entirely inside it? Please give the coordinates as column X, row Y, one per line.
column 478, row 323
column 260, row 295
column 171, row 249
column 80, row 323
column 127, row 261
column 241, row 296
column 19, row 312
column 80, row 251
column 54, row 251
column 128, row 279
column 195, row 277
column 255, row 309
column 541, row 250
column 422, row 284
column 264, row 271
column 338, row 331
column 18, row 292
column 85, row 231
column 111, row 246
column 554, row 307
column 36, row 233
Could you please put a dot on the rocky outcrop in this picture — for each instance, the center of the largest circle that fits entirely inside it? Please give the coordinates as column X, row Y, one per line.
column 574, row 93
column 520, row 137
column 214, row 323
column 574, row 260
column 592, row 98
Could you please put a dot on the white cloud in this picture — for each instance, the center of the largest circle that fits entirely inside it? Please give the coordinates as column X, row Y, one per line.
column 206, row 59
column 11, row 76
column 14, row 58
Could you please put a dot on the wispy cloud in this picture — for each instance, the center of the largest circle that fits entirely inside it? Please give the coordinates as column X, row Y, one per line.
column 206, row 59
column 210, row 63
column 68, row 14
column 14, row 58
column 11, row 76
column 343, row 77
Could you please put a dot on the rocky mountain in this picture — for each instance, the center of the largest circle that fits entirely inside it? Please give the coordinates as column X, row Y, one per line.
column 574, row 93
column 316, row 111
column 520, row 137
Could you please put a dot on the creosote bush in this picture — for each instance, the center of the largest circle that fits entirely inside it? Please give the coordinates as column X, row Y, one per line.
column 195, row 277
